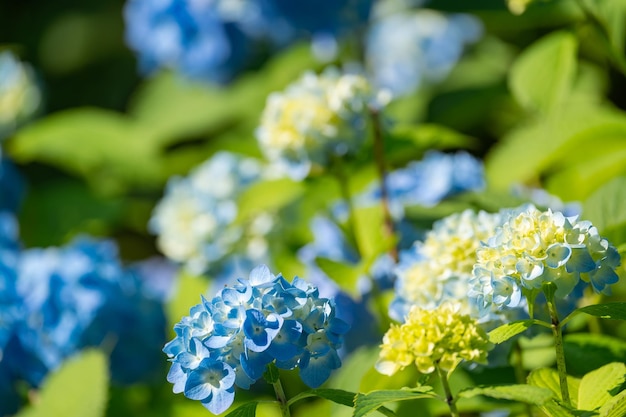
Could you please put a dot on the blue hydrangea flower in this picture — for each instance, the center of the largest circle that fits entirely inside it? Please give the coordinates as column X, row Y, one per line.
column 80, row 295
column 437, row 176
column 216, row 39
column 9, row 298
column 426, row 46
column 230, row 339
column 12, row 186
column 533, row 247
column 19, row 94
column 195, row 219
column 211, row 40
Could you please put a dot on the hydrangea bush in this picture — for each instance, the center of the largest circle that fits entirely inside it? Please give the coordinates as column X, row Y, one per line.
column 327, row 207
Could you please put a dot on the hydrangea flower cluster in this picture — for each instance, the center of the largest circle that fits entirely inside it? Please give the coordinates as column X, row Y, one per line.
column 441, row 337
column 19, row 94
column 440, row 267
column 57, row 301
column 315, row 118
column 428, row 181
column 194, row 220
column 215, row 40
column 77, row 296
column 229, row 341
column 12, row 186
column 534, row 247
column 426, row 46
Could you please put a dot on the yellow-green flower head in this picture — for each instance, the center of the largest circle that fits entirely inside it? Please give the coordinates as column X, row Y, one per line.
column 19, row 94
column 440, row 268
column 314, row 118
column 440, row 337
column 534, row 247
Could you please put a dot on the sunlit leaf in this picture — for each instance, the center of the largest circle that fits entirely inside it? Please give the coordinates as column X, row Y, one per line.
column 523, row 393
column 246, row 410
column 606, row 209
column 366, row 403
column 507, row 331
column 544, row 72
column 79, row 388
column 615, row 311
column 600, row 385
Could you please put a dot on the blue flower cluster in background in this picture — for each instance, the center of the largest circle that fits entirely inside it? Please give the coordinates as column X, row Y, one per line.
column 426, row 46
column 217, row 39
column 57, row 301
column 229, row 340
column 426, row 182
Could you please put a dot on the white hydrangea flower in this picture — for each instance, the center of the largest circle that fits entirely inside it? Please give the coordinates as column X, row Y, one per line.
column 314, row 118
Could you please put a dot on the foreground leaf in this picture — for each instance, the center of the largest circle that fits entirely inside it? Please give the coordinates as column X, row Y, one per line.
column 599, row 386
column 338, row 396
column 549, row 378
column 615, row 407
column 366, row 403
column 615, row 311
column 246, row 410
column 522, row 393
column 507, row 331
column 78, row 389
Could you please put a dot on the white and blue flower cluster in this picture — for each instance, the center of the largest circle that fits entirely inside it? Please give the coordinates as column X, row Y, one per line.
column 229, row 340
column 440, row 267
column 195, row 220
column 405, row 50
column 314, row 119
column 20, row 96
column 534, row 247
column 216, row 39
column 57, row 301
column 426, row 182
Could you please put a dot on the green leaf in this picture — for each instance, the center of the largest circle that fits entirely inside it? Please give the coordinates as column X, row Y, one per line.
column 606, row 209
column 246, row 410
column 105, row 147
column 554, row 409
column 585, row 352
column 271, row 374
column 615, row 407
column 346, row 275
column 267, row 196
column 584, row 167
column 615, row 311
column 507, row 331
column 369, row 232
column 599, row 386
column 405, row 142
column 579, row 125
column 543, row 74
column 522, row 393
column 366, row 403
column 338, row 396
column 79, row 388
column 549, row 378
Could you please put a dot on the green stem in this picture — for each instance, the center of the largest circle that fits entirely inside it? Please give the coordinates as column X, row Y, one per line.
column 282, row 398
column 446, row 388
column 560, row 353
column 379, row 156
